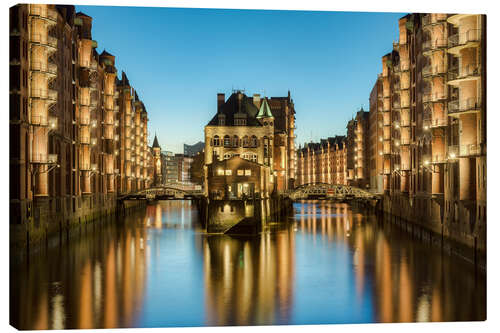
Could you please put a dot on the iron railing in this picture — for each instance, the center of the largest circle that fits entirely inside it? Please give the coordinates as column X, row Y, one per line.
column 464, row 105
column 471, row 35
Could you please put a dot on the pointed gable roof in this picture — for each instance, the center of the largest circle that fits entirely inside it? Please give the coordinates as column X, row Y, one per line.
column 155, row 143
column 233, row 107
column 265, row 111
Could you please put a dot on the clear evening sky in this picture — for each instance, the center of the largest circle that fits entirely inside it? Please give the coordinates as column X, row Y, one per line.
column 178, row 59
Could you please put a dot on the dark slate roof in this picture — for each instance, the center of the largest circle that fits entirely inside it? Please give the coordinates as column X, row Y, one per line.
column 232, row 106
column 82, row 14
column 314, row 146
column 125, row 79
column 155, row 143
column 106, row 54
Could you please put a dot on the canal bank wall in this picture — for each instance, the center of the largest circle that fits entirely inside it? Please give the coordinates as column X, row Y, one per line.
column 240, row 216
column 427, row 219
column 51, row 220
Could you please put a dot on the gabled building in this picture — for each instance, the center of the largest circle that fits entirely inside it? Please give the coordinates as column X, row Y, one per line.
column 246, row 127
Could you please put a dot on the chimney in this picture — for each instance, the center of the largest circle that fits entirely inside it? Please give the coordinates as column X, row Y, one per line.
column 221, row 98
column 256, row 100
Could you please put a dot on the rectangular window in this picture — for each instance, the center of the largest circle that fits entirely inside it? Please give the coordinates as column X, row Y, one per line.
column 248, row 172
column 228, row 173
column 241, row 172
column 220, row 172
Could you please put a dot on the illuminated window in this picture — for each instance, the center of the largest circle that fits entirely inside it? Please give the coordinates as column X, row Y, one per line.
column 227, row 141
column 248, row 172
column 220, row 172
column 241, row 172
column 228, row 173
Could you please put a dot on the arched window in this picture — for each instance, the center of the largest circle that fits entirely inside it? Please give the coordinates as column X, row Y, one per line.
column 227, row 141
column 236, row 140
column 253, row 142
column 250, row 157
column 228, row 156
column 216, row 141
column 245, row 141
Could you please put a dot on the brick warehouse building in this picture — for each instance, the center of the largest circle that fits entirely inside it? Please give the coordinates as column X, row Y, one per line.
column 78, row 135
column 257, row 129
column 429, row 103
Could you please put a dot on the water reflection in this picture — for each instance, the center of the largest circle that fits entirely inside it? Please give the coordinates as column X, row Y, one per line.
column 328, row 264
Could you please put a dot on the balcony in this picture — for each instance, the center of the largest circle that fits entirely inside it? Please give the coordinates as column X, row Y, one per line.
column 438, row 122
column 44, row 40
column 46, row 94
column 434, row 45
column 85, row 121
column 44, row 158
column 431, row 71
column 405, row 141
column 433, row 97
column 457, row 42
column 468, row 72
column 45, row 68
column 47, row 14
column 470, row 150
column 405, row 167
column 468, row 105
column 433, row 19
column 438, row 159
column 84, row 139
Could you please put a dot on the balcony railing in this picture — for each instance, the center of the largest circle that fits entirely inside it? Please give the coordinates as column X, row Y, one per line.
column 438, row 158
column 470, row 150
column 433, row 70
column 44, row 67
column 405, row 167
column 433, row 97
column 43, row 12
column 405, row 141
column 438, row 122
column 44, row 39
column 472, row 35
column 85, row 121
column 44, row 158
column 431, row 19
column 435, row 44
column 39, row 121
column 48, row 94
column 85, row 139
column 468, row 71
column 464, row 105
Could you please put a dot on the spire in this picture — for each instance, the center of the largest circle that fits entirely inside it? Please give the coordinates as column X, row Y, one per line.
column 155, row 142
column 265, row 111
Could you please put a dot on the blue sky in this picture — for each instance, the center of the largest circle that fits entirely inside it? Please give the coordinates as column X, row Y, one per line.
column 178, row 59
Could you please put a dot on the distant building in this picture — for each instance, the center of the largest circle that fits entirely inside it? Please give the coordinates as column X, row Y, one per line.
column 192, row 150
column 357, row 152
column 323, row 162
column 171, row 167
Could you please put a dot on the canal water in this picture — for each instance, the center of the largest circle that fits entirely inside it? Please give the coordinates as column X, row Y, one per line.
column 327, row 264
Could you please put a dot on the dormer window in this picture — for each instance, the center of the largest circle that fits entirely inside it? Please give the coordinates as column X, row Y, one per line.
column 240, row 122
column 222, row 119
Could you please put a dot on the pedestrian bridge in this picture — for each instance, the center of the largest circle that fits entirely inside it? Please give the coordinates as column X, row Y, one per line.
column 163, row 192
column 329, row 191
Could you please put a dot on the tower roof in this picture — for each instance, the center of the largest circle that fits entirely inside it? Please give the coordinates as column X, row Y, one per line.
column 155, row 143
column 265, row 111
